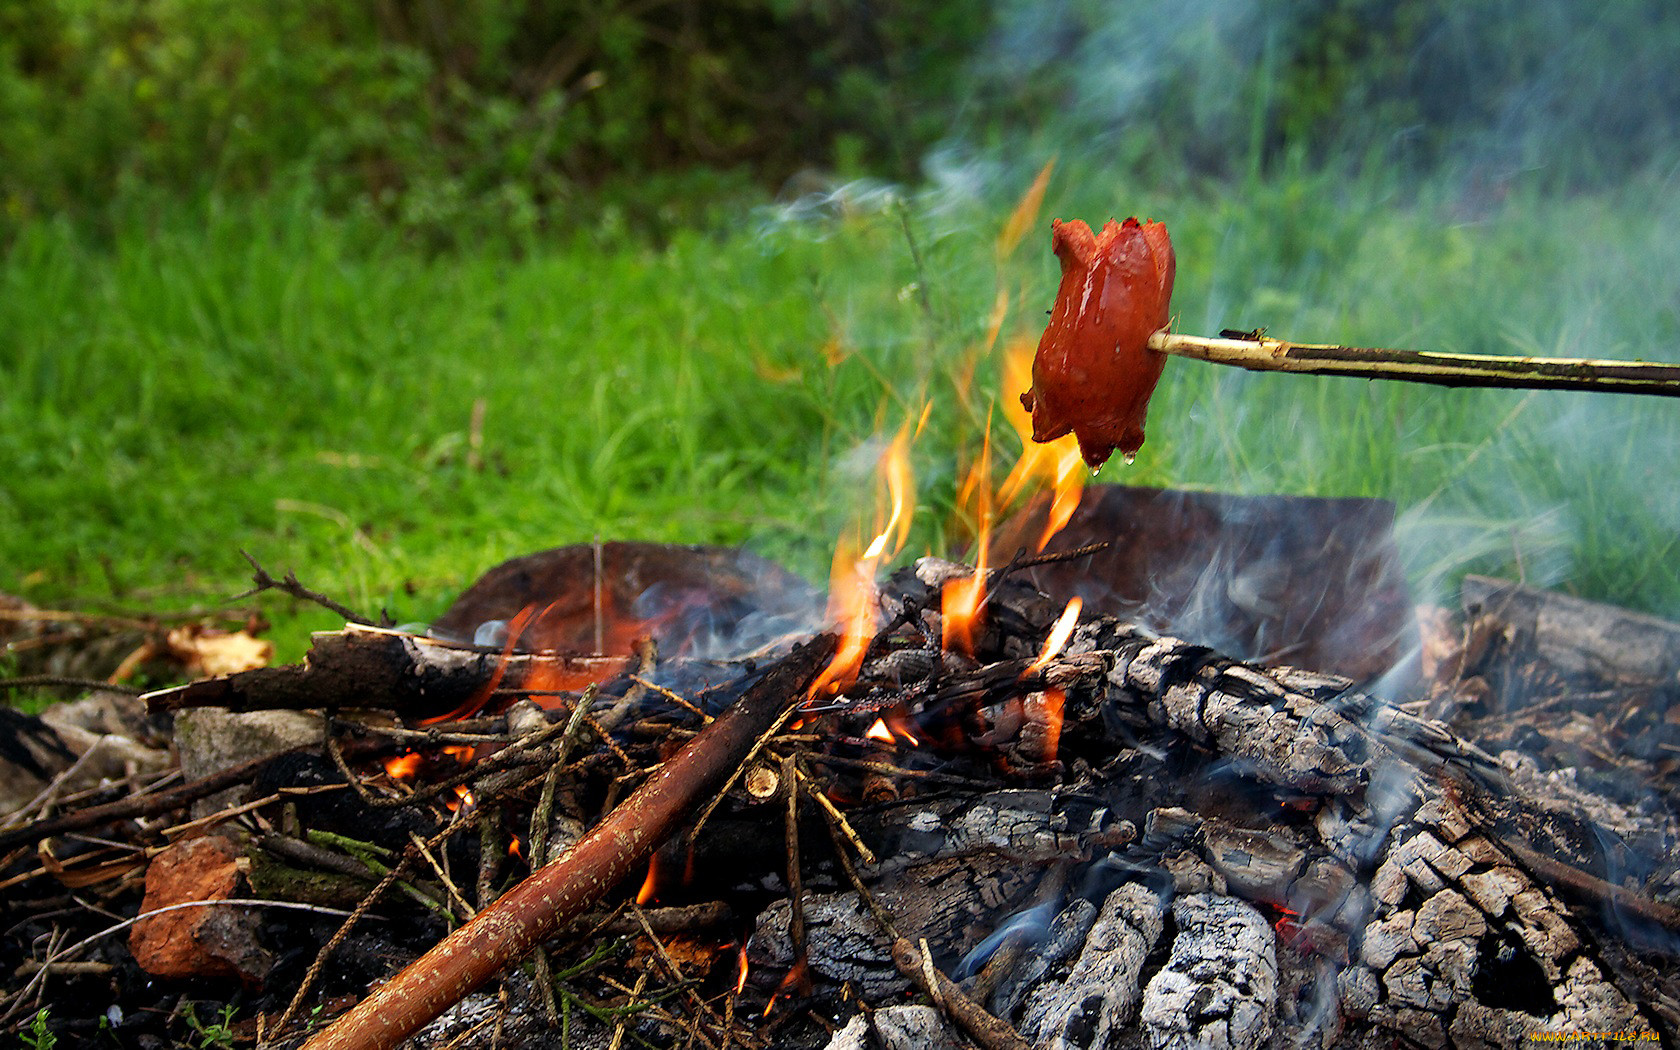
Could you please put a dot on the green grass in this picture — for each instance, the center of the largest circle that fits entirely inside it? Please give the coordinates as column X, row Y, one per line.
column 257, row 375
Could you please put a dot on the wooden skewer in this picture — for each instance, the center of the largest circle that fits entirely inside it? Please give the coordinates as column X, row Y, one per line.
column 1263, row 354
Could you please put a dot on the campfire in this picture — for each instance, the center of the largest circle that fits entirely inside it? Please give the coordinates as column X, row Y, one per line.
column 1124, row 777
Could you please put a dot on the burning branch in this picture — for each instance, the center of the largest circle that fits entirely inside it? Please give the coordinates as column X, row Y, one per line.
column 532, row 911
column 1259, row 353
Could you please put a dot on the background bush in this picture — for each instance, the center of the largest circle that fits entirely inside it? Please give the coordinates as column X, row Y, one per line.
column 513, row 114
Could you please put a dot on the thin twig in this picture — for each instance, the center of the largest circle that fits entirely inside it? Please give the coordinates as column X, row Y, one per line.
column 796, row 885
column 398, row 871
column 836, row 818
column 54, row 681
column 136, row 807
column 262, row 581
column 533, row 910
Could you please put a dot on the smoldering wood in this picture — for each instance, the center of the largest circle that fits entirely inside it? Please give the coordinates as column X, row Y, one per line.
column 1098, row 999
column 946, row 866
column 1402, row 872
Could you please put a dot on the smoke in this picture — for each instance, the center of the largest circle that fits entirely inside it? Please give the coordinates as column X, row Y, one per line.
column 1492, row 90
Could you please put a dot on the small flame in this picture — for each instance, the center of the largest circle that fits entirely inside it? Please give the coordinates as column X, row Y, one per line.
column 404, row 767
column 895, row 470
column 514, row 848
column 900, row 725
column 463, row 797
column 1025, row 215
column 1059, row 634
column 879, row 731
column 651, row 883
column 961, row 601
column 798, row 976
column 475, row 703
column 741, row 967
column 853, row 603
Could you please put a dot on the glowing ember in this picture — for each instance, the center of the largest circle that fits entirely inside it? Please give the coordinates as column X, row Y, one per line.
column 1060, row 632
column 404, row 767
column 879, row 731
column 1050, row 705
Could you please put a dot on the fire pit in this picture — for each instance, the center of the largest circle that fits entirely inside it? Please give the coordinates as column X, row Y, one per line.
column 1035, row 827
column 1109, row 786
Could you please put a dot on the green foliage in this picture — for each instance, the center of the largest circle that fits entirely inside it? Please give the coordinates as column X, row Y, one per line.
column 491, row 112
column 217, row 1033
column 268, row 376
column 514, row 117
column 38, row 1036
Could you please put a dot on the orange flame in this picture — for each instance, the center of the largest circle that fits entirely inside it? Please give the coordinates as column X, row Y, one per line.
column 650, row 885
column 463, row 797
column 895, row 470
column 961, row 600
column 853, row 601
column 1059, row 634
column 475, row 703
column 1057, row 464
column 798, row 976
column 901, row 725
column 1025, row 215
column 514, row 849
column 879, row 731
column 741, row 966
column 405, row 766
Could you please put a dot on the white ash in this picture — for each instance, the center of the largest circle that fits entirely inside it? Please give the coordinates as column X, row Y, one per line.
column 1098, row 999
column 896, row 1028
column 1219, row 987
